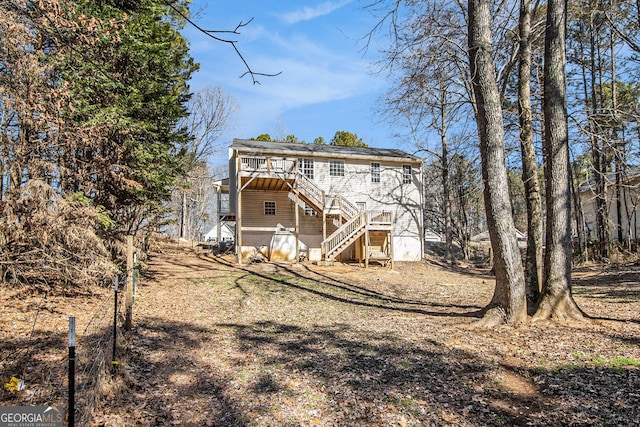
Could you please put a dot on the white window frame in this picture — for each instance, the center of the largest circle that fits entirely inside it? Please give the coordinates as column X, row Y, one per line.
column 306, row 167
column 406, row 174
column 336, row 167
column 375, row 172
column 308, row 211
column 270, row 208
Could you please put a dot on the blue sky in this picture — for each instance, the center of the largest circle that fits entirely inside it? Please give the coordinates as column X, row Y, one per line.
column 327, row 82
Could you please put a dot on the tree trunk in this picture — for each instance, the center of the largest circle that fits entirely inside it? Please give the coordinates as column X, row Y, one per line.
column 617, row 144
column 557, row 301
column 508, row 304
column 183, row 215
column 446, row 191
column 578, row 217
column 589, row 100
column 597, row 146
column 533, row 263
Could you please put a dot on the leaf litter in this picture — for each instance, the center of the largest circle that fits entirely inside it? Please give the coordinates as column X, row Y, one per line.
column 220, row 344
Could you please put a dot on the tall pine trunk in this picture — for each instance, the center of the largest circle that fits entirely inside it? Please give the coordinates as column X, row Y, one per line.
column 600, row 163
column 446, row 187
column 557, row 301
column 508, row 304
column 533, row 263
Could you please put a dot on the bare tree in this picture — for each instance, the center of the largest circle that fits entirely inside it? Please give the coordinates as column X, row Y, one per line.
column 508, row 304
column 431, row 92
column 224, row 36
column 210, row 111
column 467, row 213
column 533, row 263
column 557, row 300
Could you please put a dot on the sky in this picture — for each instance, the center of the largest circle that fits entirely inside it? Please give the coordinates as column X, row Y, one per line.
column 327, row 82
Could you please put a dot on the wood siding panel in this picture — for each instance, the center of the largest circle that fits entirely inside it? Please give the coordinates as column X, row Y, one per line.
column 253, row 209
column 254, row 217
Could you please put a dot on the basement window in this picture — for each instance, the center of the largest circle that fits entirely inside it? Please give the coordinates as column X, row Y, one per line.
column 269, row 208
column 308, row 211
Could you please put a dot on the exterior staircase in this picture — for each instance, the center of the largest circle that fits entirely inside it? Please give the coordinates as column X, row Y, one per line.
column 344, row 236
column 310, row 193
column 351, row 222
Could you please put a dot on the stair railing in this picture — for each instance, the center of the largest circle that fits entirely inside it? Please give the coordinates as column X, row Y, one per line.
column 344, row 233
column 310, row 190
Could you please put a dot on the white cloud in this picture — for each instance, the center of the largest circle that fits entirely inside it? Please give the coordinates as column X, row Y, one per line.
column 319, row 71
column 311, row 73
column 309, row 13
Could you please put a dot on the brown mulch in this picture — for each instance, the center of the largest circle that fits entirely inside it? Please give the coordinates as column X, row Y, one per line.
column 217, row 344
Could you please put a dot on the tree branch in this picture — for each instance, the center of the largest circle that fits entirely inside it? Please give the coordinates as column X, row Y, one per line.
column 211, row 34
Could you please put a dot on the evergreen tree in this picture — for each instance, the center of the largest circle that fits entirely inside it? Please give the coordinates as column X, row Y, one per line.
column 133, row 87
column 347, row 139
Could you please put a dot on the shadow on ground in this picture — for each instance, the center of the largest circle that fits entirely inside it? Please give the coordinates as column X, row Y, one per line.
column 278, row 374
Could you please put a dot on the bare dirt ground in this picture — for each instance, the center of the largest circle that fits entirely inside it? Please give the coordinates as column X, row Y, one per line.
column 217, row 344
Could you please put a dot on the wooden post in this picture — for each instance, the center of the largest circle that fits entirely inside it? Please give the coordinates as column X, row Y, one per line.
column 297, row 231
column 323, row 256
column 324, row 216
column 238, row 209
column 391, row 249
column 218, row 209
column 128, row 297
column 367, row 241
column 183, row 217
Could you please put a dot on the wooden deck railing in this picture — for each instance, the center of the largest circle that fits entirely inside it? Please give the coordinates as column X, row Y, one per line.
column 380, row 218
column 343, row 207
column 276, row 165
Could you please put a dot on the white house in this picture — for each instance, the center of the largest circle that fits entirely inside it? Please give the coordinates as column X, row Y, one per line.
column 629, row 201
column 227, row 232
column 432, row 236
column 325, row 202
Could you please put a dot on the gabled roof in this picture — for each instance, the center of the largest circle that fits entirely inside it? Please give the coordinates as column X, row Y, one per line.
column 484, row 236
column 322, row 150
column 630, row 178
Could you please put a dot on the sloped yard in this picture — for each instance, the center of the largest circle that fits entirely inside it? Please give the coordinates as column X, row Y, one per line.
column 216, row 344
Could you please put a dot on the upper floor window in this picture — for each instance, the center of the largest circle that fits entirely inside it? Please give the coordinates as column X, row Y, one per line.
column 406, row 174
column 307, row 168
column 336, row 167
column 375, row 172
column 269, row 208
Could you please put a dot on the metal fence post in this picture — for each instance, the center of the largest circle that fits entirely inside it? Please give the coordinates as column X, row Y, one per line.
column 128, row 296
column 114, row 362
column 72, row 372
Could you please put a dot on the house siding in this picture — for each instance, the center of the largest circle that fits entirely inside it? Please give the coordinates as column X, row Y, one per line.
column 629, row 213
column 258, row 228
column 390, row 194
